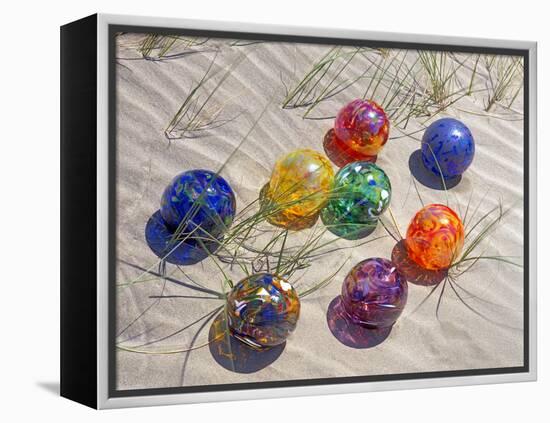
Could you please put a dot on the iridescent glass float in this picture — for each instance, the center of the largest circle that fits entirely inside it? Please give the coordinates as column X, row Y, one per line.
column 262, row 310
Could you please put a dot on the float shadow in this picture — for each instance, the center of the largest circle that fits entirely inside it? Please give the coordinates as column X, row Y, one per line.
column 428, row 178
column 412, row 271
column 352, row 334
column 234, row 355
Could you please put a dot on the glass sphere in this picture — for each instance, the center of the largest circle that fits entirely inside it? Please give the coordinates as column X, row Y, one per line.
column 198, row 202
column 298, row 189
column 361, row 193
column 448, row 143
column 435, row 237
column 262, row 310
column 363, row 127
column 374, row 293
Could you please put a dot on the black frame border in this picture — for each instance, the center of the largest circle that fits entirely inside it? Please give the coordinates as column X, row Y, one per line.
column 78, row 225
column 113, row 29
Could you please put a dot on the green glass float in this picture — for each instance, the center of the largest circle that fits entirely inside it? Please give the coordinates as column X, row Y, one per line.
column 361, row 192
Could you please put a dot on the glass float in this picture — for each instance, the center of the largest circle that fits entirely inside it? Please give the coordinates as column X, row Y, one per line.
column 262, row 310
column 374, row 293
column 298, row 189
column 200, row 203
column 197, row 207
column 361, row 193
column 435, row 237
column 448, row 145
column 361, row 129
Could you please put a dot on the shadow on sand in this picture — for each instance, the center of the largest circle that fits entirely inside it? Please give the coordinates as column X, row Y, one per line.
column 412, row 271
column 352, row 334
column 234, row 355
column 428, row 178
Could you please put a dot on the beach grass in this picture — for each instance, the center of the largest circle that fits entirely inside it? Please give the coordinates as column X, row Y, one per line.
column 162, row 47
column 324, row 80
column 504, row 82
column 199, row 111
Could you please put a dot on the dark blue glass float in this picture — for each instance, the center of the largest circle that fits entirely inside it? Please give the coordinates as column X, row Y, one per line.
column 197, row 208
column 448, row 145
column 198, row 202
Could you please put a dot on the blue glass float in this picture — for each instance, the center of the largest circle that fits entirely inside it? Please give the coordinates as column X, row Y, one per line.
column 197, row 207
column 200, row 203
column 374, row 293
column 448, row 143
column 262, row 310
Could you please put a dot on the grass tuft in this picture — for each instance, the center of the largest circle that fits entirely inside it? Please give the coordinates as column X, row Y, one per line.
column 505, row 80
column 199, row 113
column 156, row 47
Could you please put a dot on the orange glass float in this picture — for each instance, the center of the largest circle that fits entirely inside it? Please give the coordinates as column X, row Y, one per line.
column 435, row 237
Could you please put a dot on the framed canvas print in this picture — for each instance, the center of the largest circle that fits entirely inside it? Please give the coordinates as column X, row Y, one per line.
column 256, row 211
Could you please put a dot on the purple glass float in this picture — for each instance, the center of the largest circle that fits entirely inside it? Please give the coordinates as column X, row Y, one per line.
column 374, row 293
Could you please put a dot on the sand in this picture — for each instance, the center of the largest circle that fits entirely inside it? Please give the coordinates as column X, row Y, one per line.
column 148, row 95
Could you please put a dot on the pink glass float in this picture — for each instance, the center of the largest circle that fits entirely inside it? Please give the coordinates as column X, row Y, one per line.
column 361, row 129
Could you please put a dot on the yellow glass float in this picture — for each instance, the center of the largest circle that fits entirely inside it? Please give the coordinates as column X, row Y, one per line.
column 298, row 189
